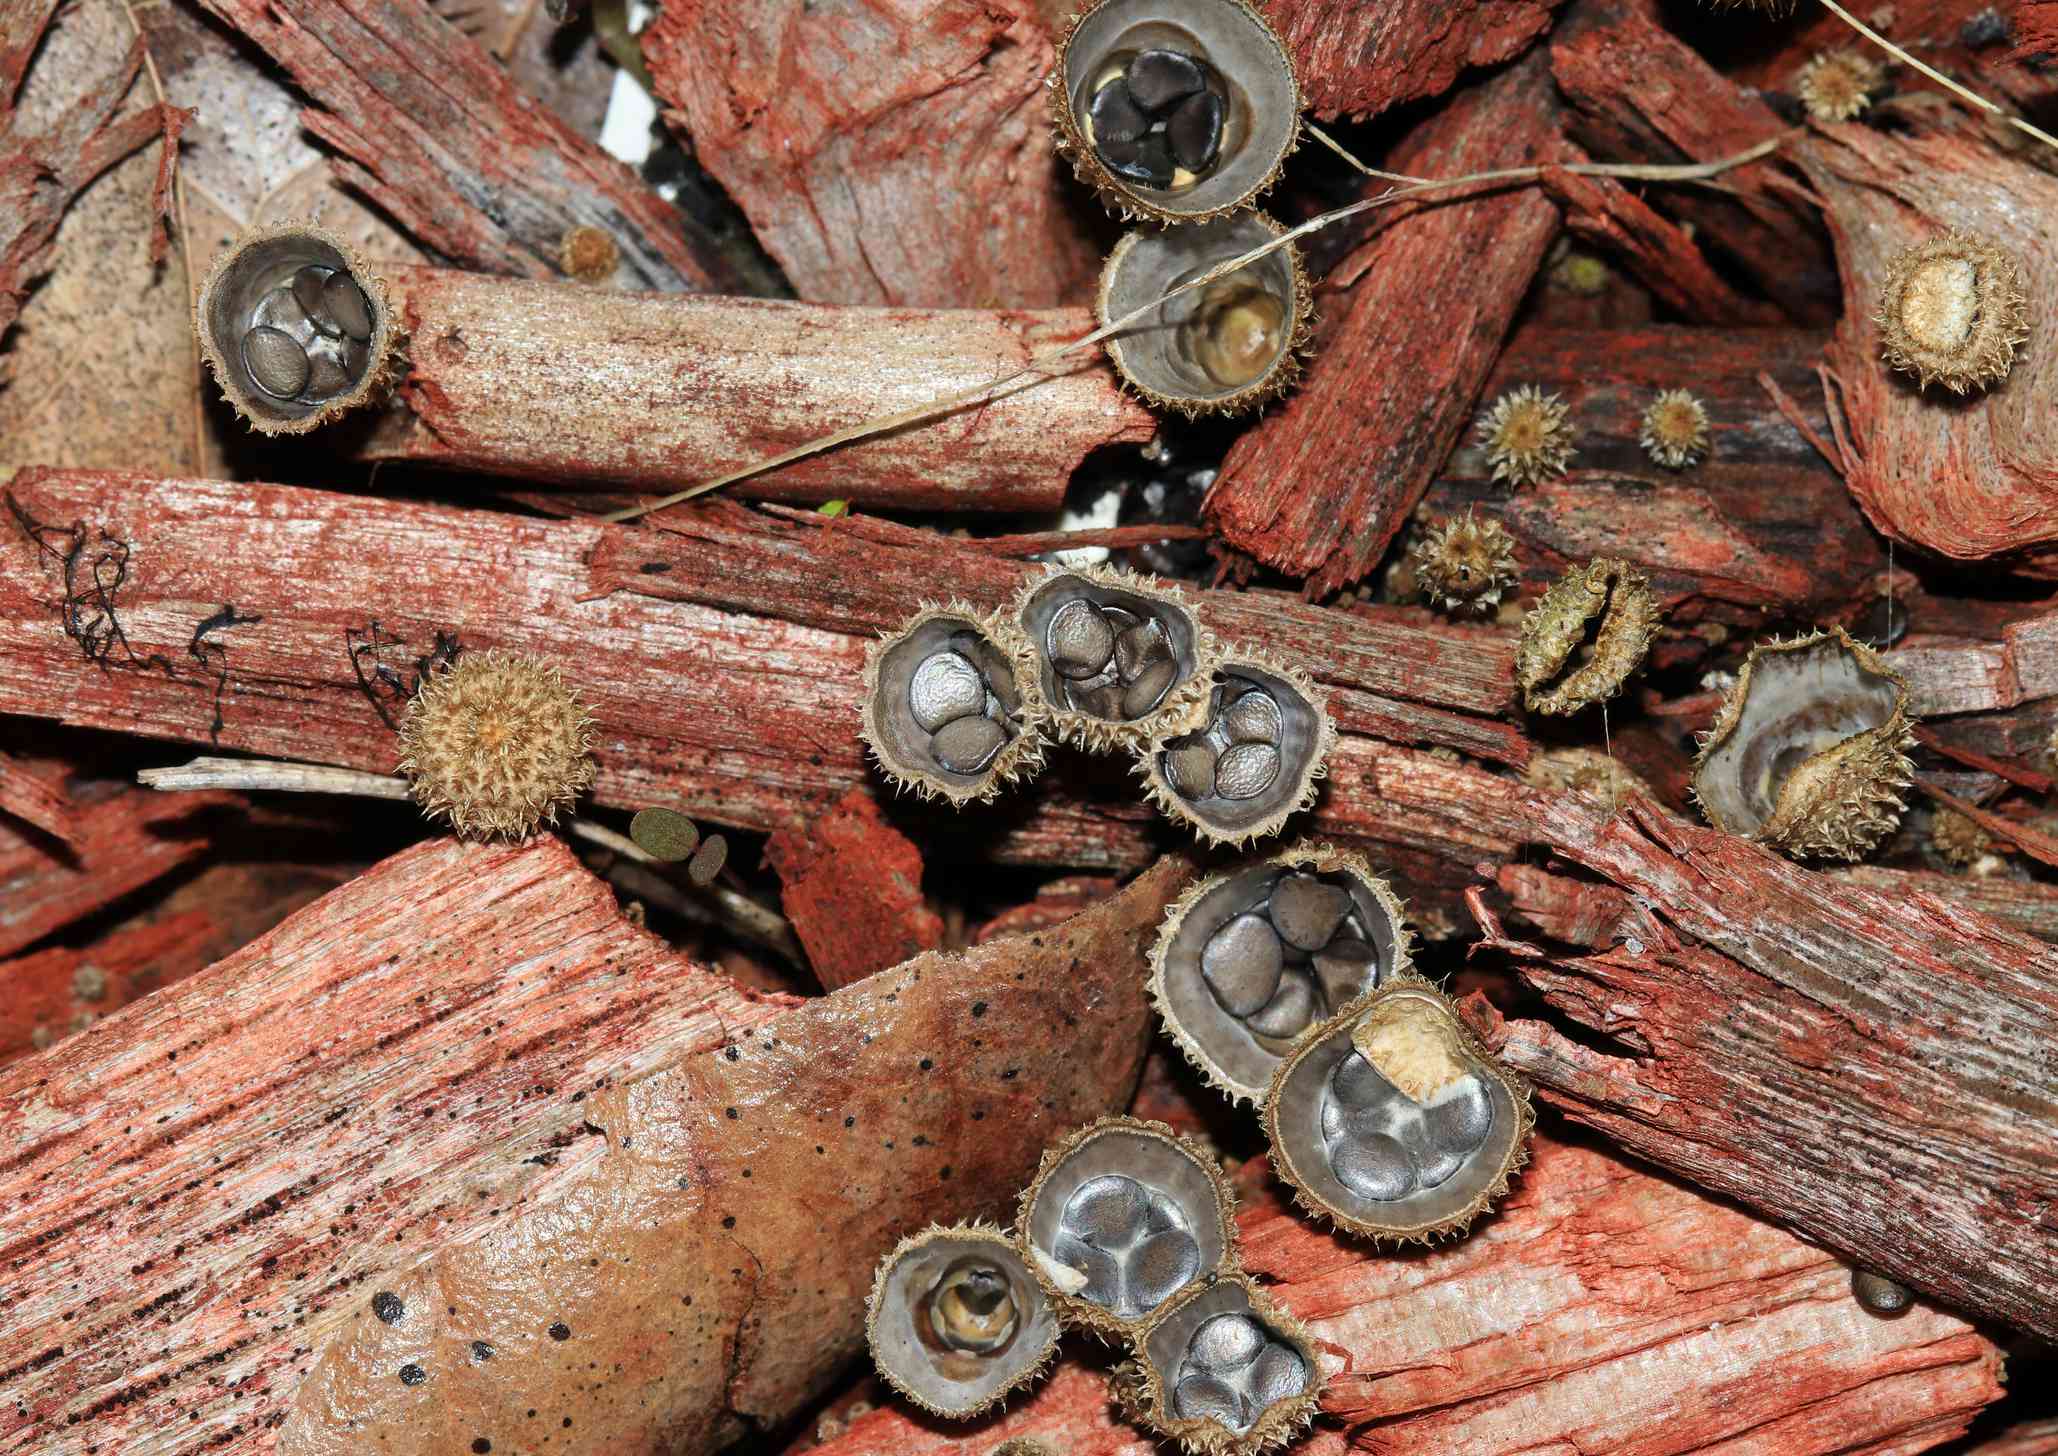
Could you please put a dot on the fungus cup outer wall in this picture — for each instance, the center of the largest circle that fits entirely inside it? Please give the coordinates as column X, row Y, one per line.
column 383, row 350
column 1315, row 858
column 977, row 1234
column 1140, row 1390
column 1149, row 758
column 451, row 781
column 1434, row 558
column 1407, row 983
column 2000, row 322
column 1019, row 759
column 1555, row 627
column 1083, row 1313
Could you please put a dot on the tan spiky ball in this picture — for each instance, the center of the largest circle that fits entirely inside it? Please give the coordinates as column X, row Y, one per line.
column 1838, row 85
column 1675, row 430
column 1957, row 839
column 1528, row 436
column 496, row 744
column 1953, row 312
column 1465, row 564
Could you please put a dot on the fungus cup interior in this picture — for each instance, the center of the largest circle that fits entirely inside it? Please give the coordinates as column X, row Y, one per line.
column 1163, row 1167
column 1230, row 1043
column 1251, row 74
column 1231, row 1378
column 1214, row 344
column 1180, row 633
column 1297, row 740
column 894, row 711
column 1796, row 704
column 254, row 289
column 1411, row 1149
column 961, row 1320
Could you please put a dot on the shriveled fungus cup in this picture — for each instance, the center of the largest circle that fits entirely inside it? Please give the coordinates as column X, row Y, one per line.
column 1122, row 1215
column 1176, row 112
column 956, row 1320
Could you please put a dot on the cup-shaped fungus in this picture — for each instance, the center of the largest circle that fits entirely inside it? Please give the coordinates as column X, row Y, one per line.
column 1175, row 112
column 956, row 1320
column 1225, row 346
column 1249, row 959
column 1122, row 1215
column 1583, row 640
column 296, row 328
column 496, row 743
column 943, row 711
column 1809, row 750
column 1114, row 658
column 1251, row 763
column 1223, row 1371
column 1393, row 1121
column 1953, row 311
column 1464, row 564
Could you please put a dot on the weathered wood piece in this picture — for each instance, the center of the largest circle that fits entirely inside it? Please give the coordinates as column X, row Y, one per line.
column 1358, row 60
column 584, row 387
column 1968, row 477
column 1763, row 524
column 884, row 155
column 446, row 1058
column 1602, row 1308
column 851, row 885
column 49, row 994
column 35, row 794
column 1641, row 94
column 124, row 841
column 431, row 128
column 1318, row 487
column 723, row 666
column 1946, row 676
column 1876, row 1071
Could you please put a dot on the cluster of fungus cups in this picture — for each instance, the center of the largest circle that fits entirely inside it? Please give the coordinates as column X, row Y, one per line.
column 295, row 327
column 1252, row 760
column 1808, row 753
column 944, row 713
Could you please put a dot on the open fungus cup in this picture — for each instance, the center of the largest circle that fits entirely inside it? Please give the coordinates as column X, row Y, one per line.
column 1249, row 959
column 1111, row 657
column 296, row 328
column 1251, row 763
column 1809, row 751
column 1392, row 1121
column 956, row 1320
column 1122, row 1215
column 1226, row 346
column 1223, row 1370
column 1175, row 112
column 943, row 711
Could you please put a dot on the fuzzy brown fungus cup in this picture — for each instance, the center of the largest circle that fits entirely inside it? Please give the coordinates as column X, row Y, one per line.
column 956, row 1320
column 1464, row 564
column 1248, row 960
column 1121, row 1216
column 943, row 711
column 1953, row 311
column 1585, row 637
column 1809, row 750
column 1225, row 346
column 496, row 743
column 1114, row 658
column 1393, row 1121
column 1176, row 112
column 295, row 327
column 1252, row 761
column 1224, row 1371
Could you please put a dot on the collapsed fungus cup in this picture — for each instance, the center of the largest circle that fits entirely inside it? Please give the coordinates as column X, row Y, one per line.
column 956, row 1320
column 1122, row 1215
column 295, row 326
column 943, row 711
column 1176, row 112
column 1112, row 657
column 1251, row 763
column 1393, row 1121
column 1247, row 960
column 1585, row 637
column 1809, row 750
column 1224, row 1371
column 1225, row 346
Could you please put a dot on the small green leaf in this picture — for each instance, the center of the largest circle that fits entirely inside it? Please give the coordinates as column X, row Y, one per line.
column 664, row 834
column 833, row 508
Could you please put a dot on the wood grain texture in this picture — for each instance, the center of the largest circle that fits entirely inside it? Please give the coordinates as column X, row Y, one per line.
column 886, row 152
column 1358, row 60
column 714, row 1261
column 1318, row 487
column 35, row 794
column 1602, row 1309
column 582, row 387
column 1875, row 1070
column 851, row 886
column 1970, row 477
column 433, row 130
column 1948, row 676
column 721, row 659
